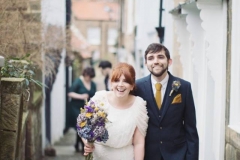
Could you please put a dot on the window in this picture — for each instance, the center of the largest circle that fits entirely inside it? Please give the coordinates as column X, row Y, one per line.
column 112, row 36
column 94, row 35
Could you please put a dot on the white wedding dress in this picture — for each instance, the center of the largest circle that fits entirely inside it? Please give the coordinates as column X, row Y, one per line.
column 123, row 123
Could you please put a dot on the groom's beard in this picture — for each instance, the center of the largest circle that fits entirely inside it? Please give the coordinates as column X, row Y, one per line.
column 160, row 73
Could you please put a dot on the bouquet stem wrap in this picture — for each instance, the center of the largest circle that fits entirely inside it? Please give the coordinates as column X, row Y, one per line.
column 90, row 155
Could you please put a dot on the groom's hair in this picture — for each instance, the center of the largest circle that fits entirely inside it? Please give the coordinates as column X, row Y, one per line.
column 157, row 47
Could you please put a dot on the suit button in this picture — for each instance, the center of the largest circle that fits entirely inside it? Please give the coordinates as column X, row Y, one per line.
column 160, row 127
column 161, row 142
column 159, row 116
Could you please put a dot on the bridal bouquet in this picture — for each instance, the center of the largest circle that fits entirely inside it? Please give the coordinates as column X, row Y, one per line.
column 91, row 124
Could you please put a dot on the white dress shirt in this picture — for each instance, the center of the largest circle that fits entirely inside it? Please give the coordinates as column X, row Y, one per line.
column 164, row 83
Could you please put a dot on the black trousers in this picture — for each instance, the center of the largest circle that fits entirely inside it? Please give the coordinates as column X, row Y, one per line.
column 78, row 140
column 161, row 158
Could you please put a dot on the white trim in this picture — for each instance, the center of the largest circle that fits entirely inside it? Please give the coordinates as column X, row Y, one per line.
column 201, row 28
column 215, row 29
column 184, row 48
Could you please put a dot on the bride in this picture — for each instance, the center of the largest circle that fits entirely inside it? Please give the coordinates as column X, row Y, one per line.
column 128, row 116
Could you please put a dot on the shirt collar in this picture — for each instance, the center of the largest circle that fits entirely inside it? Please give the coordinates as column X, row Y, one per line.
column 163, row 82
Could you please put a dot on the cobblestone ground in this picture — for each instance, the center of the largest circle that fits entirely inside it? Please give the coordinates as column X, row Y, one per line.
column 65, row 148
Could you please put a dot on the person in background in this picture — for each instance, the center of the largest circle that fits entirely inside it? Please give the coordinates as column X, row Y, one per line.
column 106, row 68
column 172, row 132
column 127, row 115
column 82, row 89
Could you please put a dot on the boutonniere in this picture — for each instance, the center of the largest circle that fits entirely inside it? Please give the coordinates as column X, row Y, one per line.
column 175, row 86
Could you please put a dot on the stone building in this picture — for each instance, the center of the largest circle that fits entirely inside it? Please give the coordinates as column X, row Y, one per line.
column 96, row 22
column 20, row 108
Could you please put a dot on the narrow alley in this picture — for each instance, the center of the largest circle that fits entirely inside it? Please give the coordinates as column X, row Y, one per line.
column 65, row 146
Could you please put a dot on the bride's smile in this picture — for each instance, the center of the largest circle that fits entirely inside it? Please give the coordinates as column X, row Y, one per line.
column 121, row 87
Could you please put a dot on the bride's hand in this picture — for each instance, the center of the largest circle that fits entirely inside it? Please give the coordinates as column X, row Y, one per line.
column 88, row 148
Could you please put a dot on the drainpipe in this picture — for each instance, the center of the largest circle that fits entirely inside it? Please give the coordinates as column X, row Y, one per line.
column 67, row 64
column 160, row 29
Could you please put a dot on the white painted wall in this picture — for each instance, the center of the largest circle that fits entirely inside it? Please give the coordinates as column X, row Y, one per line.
column 58, row 103
column 147, row 18
column 201, row 29
column 130, row 17
column 235, row 68
column 54, row 13
column 169, row 27
column 214, row 24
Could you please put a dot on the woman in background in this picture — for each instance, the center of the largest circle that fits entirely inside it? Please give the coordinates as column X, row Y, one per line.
column 82, row 89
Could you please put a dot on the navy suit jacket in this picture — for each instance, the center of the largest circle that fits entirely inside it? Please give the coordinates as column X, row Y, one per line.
column 172, row 132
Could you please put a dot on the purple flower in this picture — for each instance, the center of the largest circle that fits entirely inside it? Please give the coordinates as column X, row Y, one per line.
column 89, row 109
column 81, row 118
column 91, row 123
column 92, row 103
column 91, row 134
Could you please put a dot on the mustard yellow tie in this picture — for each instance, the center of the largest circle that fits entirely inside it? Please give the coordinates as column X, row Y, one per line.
column 158, row 96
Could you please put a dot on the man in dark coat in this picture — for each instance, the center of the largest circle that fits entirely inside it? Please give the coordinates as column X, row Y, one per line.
column 172, row 132
column 106, row 68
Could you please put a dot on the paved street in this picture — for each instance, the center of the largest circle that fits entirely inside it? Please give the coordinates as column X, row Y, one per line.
column 65, row 149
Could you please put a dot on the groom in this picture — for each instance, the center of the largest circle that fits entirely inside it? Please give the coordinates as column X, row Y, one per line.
column 172, row 132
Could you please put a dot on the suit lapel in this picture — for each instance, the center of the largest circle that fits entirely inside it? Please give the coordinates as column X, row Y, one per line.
column 167, row 99
column 150, row 96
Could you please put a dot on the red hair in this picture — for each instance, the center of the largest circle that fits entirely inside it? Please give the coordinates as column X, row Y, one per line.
column 124, row 69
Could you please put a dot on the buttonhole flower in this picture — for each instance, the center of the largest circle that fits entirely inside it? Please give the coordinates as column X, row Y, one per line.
column 175, row 86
